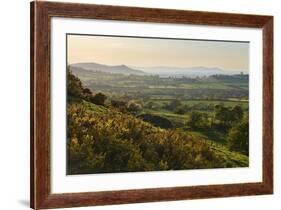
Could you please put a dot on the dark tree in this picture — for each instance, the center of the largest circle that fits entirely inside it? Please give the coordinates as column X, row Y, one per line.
column 74, row 85
column 198, row 120
column 174, row 104
column 238, row 137
column 134, row 106
column 238, row 113
column 156, row 120
column 98, row 99
column 118, row 104
column 180, row 110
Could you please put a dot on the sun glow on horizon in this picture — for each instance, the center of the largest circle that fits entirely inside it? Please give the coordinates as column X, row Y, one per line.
column 149, row 52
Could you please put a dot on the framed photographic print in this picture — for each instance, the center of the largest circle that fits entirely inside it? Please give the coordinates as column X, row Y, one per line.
column 140, row 105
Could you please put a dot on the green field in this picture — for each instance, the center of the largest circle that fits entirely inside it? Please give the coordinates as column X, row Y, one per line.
column 229, row 103
column 153, row 86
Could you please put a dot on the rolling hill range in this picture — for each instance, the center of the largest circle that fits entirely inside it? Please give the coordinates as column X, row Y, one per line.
column 162, row 71
column 196, row 71
column 120, row 69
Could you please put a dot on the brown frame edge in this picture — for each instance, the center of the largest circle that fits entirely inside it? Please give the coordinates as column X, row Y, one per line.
column 41, row 13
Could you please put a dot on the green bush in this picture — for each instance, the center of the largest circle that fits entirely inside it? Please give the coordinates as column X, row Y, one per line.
column 198, row 120
column 238, row 137
column 98, row 99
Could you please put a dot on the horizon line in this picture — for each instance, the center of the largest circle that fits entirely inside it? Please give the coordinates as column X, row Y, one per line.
column 135, row 67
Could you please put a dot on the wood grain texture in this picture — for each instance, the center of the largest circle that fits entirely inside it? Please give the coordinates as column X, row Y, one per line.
column 41, row 14
column 268, row 104
column 32, row 143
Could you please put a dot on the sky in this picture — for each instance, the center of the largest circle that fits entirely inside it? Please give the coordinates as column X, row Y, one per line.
column 150, row 52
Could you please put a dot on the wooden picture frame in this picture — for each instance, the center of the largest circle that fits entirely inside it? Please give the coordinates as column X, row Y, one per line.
column 41, row 14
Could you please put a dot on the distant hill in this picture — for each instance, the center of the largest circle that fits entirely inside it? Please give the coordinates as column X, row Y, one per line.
column 162, row 71
column 186, row 71
column 120, row 69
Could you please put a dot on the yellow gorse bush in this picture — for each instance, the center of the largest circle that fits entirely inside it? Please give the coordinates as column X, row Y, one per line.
column 111, row 141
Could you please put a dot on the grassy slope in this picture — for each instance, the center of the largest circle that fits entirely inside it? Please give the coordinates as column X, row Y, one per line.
column 228, row 156
column 223, row 151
